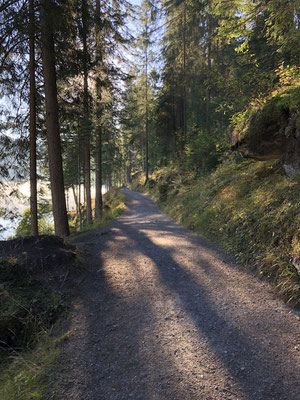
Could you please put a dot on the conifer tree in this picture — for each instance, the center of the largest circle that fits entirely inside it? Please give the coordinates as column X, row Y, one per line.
column 85, row 27
column 99, row 74
column 47, row 17
column 144, row 57
column 32, row 123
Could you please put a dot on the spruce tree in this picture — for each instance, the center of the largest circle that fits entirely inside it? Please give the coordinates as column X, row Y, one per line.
column 32, row 123
column 47, row 17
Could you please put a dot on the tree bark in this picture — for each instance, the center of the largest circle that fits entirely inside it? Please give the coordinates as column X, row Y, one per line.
column 79, row 189
column 32, row 124
column 98, row 156
column 87, row 140
column 98, row 159
column 146, row 116
column 184, row 77
column 52, row 122
column 75, row 199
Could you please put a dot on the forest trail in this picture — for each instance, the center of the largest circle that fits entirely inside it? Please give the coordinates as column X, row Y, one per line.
column 162, row 315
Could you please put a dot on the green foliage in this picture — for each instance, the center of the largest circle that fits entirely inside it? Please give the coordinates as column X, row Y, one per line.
column 45, row 226
column 217, row 59
column 202, row 150
column 282, row 27
column 251, row 209
column 113, row 207
column 277, row 111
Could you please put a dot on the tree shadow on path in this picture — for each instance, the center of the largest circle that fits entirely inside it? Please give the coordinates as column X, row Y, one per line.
column 252, row 364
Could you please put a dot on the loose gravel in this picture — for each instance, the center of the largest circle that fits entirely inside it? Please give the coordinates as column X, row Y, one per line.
column 163, row 315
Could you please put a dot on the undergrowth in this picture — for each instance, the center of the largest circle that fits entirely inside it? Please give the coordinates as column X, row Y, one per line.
column 35, row 290
column 250, row 209
column 28, row 310
column 27, row 374
column 113, row 206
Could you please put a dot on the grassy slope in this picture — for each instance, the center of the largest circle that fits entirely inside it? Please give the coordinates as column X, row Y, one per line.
column 250, row 209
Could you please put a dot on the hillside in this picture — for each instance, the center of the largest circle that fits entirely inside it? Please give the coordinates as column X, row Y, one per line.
column 250, row 209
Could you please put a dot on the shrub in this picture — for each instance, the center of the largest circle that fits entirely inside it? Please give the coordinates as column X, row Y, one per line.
column 44, row 222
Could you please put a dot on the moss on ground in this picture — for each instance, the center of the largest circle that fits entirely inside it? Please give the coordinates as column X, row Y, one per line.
column 270, row 117
column 250, row 209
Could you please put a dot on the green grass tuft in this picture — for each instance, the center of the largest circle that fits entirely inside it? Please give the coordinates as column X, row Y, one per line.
column 27, row 375
column 30, row 306
column 250, row 209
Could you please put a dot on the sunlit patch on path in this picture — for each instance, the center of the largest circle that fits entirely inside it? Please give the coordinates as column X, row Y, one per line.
column 167, row 317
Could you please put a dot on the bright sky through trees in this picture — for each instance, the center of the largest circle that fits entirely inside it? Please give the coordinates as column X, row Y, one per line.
column 136, row 89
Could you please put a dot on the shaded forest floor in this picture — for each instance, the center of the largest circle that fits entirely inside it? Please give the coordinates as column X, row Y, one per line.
column 163, row 315
column 38, row 276
column 39, row 279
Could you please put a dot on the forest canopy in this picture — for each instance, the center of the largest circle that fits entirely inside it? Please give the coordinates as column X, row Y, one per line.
column 93, row 93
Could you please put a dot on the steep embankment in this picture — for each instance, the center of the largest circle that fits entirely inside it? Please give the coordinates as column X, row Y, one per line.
column 39, row 280
column 37, row 275
column 250, row 209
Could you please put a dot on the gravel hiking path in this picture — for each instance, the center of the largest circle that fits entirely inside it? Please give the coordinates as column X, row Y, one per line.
column 162, row 315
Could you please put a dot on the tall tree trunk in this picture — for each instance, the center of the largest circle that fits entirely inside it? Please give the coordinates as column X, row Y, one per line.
column 208, row 95
column 174, row 125
column 146, row 116
column 75, row 199
column 79, row 190
column 184, row 75
column 32, row 124
column 87, row 140
column 98, row 157
column 52, row 123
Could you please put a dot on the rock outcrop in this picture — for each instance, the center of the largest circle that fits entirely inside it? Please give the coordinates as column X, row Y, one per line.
column 272, row 132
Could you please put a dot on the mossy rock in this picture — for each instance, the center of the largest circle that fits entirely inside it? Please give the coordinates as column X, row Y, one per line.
column 272, row 132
